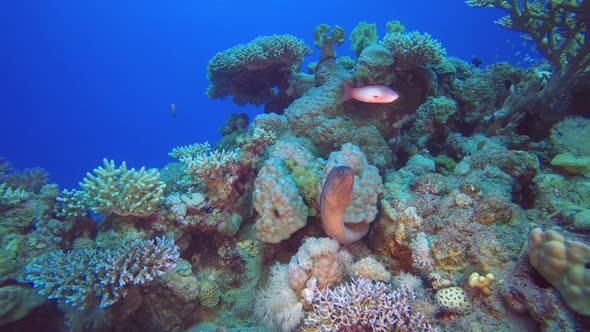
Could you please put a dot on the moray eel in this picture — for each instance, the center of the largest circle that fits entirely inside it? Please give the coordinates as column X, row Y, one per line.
column 335, row 197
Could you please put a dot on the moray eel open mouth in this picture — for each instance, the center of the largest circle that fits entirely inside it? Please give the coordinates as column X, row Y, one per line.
column 336, row 196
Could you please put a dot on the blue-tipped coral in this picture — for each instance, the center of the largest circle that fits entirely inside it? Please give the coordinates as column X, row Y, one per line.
column 89, row 277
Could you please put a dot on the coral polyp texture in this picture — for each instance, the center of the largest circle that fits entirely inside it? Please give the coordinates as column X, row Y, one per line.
column 122, row 191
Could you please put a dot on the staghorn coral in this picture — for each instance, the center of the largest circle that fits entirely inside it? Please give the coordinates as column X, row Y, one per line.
column 89, row 277
column 556, row 26
column 413, row 49
column 191, row 150
column 249, row 72
column 368, row 304
column 122, row 191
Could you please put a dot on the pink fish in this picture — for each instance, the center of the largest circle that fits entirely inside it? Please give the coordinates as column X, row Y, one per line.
column 378, row 94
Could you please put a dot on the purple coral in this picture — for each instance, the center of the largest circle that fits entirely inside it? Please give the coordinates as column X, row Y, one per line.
column 88, row 277
column 362, row 302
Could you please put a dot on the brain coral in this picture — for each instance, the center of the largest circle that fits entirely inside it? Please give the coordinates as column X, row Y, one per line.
column 249, row 72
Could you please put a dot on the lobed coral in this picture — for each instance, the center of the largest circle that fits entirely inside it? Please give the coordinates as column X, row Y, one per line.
column 277, row 201
column 564, row 263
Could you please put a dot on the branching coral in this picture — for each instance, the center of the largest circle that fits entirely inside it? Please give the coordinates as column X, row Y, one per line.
column 367, row 304
column 413, row 49
column 561, row 35
column 11, row 196
column 218, row 171
column 90, row 277
column 191, row 150
column 249, row 72
column 556, row 27
column 122, row 191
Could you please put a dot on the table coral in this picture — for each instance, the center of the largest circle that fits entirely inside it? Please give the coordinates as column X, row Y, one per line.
column 249, row 72
column 122, row 191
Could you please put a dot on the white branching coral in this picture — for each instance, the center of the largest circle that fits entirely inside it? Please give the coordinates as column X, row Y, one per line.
column 191, row 150
column 122, row 191
column 363, row 303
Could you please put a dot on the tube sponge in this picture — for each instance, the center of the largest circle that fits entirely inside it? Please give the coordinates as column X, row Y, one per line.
column 564, row 264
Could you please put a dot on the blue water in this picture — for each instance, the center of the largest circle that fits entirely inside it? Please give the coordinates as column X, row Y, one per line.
column 81, row 81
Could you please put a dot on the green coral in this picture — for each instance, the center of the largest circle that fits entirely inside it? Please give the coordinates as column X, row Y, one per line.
column 11, row 196
column 122, row 191
column 209, row 293
column 70, row 204
column 306, row 180
column 249, row 72
column 413, row 49
column 17, row 302
column 363, row 35
column 395, row 26
column 557, row 27
column 324, row 37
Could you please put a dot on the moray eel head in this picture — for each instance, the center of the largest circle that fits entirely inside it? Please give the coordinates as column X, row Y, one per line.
column 337, row 190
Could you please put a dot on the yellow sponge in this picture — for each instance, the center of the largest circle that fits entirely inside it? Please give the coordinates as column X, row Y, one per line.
column 564, row 264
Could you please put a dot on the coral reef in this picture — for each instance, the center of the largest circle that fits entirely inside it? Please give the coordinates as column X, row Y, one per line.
column 332, row 215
